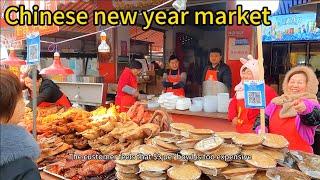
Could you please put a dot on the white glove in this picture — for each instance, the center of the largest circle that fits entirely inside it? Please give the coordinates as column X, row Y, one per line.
column 129, row 90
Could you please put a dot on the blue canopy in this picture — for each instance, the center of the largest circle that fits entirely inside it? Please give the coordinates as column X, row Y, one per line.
column 285, row 5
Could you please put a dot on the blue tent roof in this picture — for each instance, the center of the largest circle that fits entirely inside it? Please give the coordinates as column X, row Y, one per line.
column 285, row 5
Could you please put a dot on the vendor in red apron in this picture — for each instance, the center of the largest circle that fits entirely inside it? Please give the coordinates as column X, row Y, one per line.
column 243, row 118
column 174, row 79
column 48, row 92
column 127, row 92
column 295, row 114
column 217, row 69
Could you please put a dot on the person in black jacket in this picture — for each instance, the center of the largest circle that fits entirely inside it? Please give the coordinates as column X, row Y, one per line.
column 18, row 148
column 312, row 118
column 217, row 70
column 49, row 93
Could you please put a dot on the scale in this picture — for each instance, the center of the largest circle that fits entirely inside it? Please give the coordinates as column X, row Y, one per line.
column 91, row 94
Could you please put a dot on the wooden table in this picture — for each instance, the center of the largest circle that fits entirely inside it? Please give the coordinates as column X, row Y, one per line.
column 214, row 121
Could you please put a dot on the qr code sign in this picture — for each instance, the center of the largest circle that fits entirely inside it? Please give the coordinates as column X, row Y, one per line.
column 254, row 98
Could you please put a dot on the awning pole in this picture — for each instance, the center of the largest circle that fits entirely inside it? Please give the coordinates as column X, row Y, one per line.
column 34, row 101
column 261, row 74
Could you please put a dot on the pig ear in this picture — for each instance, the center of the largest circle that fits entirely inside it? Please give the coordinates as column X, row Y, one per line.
column 243, row 61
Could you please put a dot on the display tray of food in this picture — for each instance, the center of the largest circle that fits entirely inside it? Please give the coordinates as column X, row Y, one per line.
column 248, row 156
column 80, row 165
column 53, row 176
column 76, row 144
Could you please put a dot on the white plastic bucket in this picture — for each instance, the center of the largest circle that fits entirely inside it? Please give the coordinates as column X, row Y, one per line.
column 210, row 104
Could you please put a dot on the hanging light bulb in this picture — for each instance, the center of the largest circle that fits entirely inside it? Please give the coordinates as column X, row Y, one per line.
column 12, row 59
column 103, row 47
column 56, row 68
column 180, row 5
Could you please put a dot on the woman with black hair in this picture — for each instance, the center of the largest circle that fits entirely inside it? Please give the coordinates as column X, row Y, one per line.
column 48, row 92
column 127, row 91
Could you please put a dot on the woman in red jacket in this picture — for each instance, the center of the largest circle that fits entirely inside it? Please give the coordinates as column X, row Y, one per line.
column 127, row 91
column 242, row 117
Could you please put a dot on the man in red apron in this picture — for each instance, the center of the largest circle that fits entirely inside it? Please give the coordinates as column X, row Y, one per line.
column 127, row 91
column 218, row 70
column 48, row 92
column 174, row 80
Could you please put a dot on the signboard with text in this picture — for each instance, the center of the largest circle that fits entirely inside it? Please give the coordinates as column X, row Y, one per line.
column 239, row 41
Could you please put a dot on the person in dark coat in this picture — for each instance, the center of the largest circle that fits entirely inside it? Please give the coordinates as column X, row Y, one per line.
column 18, row 148
column 174, row 79
column 217, row 70
column 49, row 93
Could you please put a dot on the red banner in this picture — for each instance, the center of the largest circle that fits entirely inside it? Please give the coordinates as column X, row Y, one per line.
column 239, row 43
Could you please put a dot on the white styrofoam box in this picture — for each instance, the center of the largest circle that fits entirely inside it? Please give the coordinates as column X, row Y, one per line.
column 168, row 100
column 210, row 104
column 172, row 98
column 183, row 103
column 163, row 97
column 172, row 101
column 198, row 101
column 169, row 106
column 153, row 104
column 195, row 108
column 223, row 102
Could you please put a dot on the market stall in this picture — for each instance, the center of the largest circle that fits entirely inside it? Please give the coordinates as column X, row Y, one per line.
column 165, row 137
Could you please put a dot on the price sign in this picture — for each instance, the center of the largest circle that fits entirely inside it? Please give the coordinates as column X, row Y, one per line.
column 254, row 94
column 33, row 49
